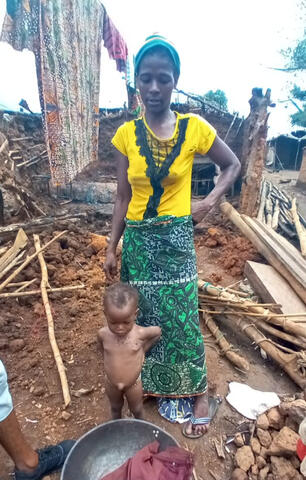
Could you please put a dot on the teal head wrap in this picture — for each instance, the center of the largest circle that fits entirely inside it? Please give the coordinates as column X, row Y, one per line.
column 158, row 41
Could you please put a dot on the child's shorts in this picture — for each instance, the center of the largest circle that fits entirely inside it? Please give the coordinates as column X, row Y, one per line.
column 6, row 403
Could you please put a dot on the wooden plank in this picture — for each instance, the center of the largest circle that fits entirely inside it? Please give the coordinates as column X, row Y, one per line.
column 292, row 265
column 294, row 253
column 270, row 286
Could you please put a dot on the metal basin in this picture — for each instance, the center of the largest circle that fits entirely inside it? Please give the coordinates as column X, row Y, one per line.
column 106, row 447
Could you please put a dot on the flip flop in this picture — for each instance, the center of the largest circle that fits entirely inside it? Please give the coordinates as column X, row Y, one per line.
column 213, row 404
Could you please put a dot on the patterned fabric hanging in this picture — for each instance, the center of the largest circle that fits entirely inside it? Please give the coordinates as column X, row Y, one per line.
column 65, row 37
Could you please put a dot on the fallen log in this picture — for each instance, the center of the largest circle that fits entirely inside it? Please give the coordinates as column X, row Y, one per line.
column 225, row 346
column 28, row 260
column 57, row 356
column 276, row 262
column 299, row 229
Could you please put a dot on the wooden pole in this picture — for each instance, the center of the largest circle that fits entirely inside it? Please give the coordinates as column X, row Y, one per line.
column 37, row 292
column 288, row 361
column 57, row 356
column 275, row 216
column 299, row 228
column 286, row 324
column 225, row 347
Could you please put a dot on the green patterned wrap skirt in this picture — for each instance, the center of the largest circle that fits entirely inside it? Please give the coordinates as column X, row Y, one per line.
column 158, row 258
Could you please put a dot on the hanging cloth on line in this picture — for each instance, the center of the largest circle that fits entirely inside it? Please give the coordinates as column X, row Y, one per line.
column 65, row 37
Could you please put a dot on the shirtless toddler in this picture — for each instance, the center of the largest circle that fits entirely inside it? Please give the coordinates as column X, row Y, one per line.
column 124, row 345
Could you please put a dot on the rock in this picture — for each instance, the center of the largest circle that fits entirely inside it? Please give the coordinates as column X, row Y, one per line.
column 264, row 473
column 255, row 446
column 261, row 462
column 295, row 461
column 244, row 458
column 264, row 437
column 276, row 420
column 16, row 345
column 290, row 423
column 238, row 440
column 98, row 242
column 239, row 474
column 88, row 252
column 284, row 443
column 264, row 452
column 254, row 469
column 295, row 410
column 262, row 422
column 65, row 415
column 3, row 343
column 39, row 391
column 283, row 469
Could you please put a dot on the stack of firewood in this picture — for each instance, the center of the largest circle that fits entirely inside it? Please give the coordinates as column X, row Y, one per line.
column 279, row 211
column 278, row 336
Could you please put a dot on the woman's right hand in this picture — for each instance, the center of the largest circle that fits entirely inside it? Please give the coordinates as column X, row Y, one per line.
column 110, row 264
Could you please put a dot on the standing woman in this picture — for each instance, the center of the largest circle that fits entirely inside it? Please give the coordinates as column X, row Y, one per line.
column 153, row 207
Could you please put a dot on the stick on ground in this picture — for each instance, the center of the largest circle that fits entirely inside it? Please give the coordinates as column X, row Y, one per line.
column 57, row 356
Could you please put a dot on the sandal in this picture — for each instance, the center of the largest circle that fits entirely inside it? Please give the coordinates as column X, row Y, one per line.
column 213, row 404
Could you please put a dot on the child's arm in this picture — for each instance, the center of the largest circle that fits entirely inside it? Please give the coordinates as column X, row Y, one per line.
column 150, row 336
column 100, row 338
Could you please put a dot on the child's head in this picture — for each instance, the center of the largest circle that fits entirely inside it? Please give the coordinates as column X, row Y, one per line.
column 121, row 308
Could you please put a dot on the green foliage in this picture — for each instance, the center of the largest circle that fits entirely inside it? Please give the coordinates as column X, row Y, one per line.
column 296, row 92
column 296, row 57
column 217, row 98
column 299, row 118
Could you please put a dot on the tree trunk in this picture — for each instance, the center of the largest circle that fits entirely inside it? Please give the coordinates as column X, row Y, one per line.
column 254, row 151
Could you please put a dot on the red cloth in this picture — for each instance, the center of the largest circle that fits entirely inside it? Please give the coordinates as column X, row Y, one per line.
column 174, row 463
column 116, row 46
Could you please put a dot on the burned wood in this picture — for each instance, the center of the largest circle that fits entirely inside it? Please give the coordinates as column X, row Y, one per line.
column 39, row 223
column 253, row 150
column 32, row 160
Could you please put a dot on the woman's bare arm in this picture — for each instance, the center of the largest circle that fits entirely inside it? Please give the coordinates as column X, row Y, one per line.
column 230, row 167
column 123, row 198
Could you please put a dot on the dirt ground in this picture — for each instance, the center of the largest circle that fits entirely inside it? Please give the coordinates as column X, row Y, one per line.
column 78, row 315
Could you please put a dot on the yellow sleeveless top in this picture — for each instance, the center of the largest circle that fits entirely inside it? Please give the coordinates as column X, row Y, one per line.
column 159, row 170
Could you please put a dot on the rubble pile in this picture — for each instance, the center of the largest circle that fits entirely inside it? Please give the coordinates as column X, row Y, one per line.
column 270, row 453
